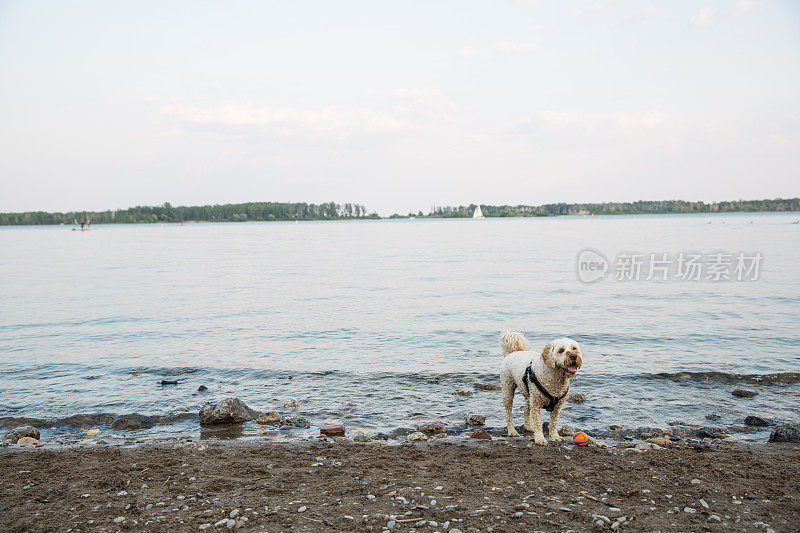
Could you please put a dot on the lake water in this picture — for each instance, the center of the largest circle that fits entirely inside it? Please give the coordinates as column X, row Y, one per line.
column 378, row 322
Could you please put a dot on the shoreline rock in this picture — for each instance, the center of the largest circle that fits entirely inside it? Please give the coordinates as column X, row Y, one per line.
column 744, row 393
column 272, row 417
column 297, row 422
column 227, row 411
column 785, row 434
column 486, row 386
column 22, row 431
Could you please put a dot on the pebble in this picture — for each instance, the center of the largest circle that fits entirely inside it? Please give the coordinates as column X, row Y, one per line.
column 234, row 513
column 390, row 524
column 302, row 509
column 417, row 436
column 601, row 518
column 230, row 523
column 221, row 522
column 455, row 530
column 371, row 497
column 481, row 434
column 614, row 509
column 204, row 526
column 714, row 518
column 695, row 481
column 704, row 504
column 518, row 514
column 119, row 519
column 689, row 510
column 333, row 430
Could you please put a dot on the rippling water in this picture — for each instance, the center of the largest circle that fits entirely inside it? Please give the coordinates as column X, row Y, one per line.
column 379, row 322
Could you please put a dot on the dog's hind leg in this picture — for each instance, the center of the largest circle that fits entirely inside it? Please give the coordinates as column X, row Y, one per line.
column 529, row 413
column 508, row 404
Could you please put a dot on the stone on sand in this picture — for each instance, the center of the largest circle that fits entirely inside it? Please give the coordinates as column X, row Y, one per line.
column 417, row 436
column 29, row 441
column 332, row 430
column 481, row 434
column 227, row 411
column 22, row 431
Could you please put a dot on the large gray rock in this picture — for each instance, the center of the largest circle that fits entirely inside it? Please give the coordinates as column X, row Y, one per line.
column 22, row 431
column 785, row 434
column 227, row 411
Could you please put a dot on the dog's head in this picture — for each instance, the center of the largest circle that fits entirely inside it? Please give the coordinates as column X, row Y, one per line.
column 563, row 354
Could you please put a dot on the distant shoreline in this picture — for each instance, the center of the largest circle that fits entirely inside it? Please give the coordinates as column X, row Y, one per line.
column 288, row 212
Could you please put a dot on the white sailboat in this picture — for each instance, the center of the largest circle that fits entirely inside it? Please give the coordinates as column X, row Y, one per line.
column 478, row 213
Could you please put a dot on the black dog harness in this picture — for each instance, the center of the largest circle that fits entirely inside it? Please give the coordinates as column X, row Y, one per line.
column 531, row 376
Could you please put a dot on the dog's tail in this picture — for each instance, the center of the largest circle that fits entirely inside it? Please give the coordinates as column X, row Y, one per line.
column 513, row 341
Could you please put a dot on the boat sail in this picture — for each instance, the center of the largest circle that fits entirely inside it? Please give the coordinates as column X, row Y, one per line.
column 477, row 213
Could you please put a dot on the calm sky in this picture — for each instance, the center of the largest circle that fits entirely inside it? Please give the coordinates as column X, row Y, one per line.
column 396, row 105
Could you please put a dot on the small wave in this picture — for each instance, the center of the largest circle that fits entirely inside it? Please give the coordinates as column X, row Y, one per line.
column 778, row 378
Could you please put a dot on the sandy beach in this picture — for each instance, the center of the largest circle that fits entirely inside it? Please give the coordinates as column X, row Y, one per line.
column 469, row 486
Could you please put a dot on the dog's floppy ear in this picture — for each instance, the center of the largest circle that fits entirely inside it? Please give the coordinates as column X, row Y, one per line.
column 547, row 353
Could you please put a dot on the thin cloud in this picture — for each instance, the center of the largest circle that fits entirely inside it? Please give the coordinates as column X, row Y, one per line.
column 332, row 122
column 742, row 8
column 706, row 17
column 511, row 48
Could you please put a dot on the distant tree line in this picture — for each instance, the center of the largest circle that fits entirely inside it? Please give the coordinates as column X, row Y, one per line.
column 257, row 211
column 619, row 208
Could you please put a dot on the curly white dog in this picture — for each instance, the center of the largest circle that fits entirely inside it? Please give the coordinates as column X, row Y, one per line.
column 543, row 380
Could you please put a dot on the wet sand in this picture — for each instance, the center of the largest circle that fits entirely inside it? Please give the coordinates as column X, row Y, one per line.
column 470, row 486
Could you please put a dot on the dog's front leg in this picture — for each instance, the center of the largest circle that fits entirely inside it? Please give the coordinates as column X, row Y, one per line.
column 538, row 434
column 508, row 403
column 554, row 436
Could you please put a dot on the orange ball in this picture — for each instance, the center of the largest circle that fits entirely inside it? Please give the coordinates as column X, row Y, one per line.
column 581, row 439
